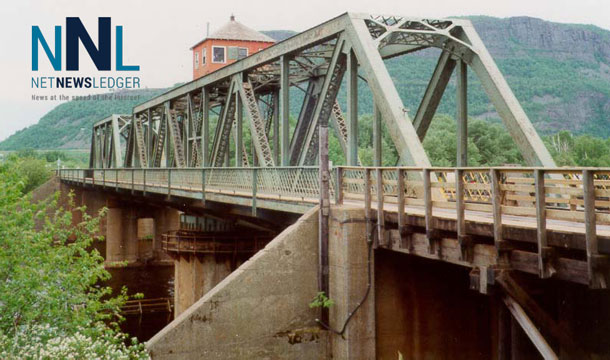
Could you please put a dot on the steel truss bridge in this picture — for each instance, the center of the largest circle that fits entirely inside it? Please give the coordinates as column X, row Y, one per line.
column 188, row 144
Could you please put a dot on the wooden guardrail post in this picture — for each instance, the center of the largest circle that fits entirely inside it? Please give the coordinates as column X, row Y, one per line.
column 339, row 186
column 502, row 248
column 403, row 230
column 431, row 233
column 594, row 259
column 381, row 235
column 545, row 269
column 464, row 240
column 132, row 181
column 254, row 189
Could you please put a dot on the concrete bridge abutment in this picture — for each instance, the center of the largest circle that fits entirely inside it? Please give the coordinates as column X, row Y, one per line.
column 262, row 309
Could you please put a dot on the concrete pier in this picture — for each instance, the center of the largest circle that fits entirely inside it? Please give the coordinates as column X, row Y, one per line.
column 195, row 275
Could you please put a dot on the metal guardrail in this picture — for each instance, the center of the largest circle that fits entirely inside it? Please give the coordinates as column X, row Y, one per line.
column 286, row 183
column 198, row 242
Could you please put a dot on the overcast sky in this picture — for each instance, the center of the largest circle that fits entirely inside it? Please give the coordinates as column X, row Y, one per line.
column 158, row 34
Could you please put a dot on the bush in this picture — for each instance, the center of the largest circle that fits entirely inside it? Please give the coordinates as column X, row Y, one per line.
column 33, row 172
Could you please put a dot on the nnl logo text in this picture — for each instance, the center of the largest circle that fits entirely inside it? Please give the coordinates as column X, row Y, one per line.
column 101, row 54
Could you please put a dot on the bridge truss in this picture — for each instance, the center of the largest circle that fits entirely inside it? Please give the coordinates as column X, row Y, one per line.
column 196, row 128
column 202, row 122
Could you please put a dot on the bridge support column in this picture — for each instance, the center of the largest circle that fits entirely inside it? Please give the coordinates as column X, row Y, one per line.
column 114, row 228
column 166, row 219
column 350, row 276
column 195, row 276
column 121, row 234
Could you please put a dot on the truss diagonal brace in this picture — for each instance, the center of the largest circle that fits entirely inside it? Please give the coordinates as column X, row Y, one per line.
column 326, row 99
column 400, row 127
column 434, row 93
column 306, row 122
column 176, row 138
column 257, row 123
column 506, row 104
column 116, row 143
column 223, row 129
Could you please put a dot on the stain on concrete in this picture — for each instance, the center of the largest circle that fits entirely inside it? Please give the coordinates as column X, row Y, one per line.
column 298, row 336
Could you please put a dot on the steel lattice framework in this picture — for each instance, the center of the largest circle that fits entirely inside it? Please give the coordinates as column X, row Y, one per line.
column 174, row 130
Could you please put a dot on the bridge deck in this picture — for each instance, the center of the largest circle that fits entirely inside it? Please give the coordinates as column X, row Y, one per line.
column 503, row 205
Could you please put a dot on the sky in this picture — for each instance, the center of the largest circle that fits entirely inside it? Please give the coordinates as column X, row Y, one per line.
column 157, row 35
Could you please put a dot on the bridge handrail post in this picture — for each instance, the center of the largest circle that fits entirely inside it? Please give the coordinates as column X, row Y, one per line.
column 460, row 206
column 132, row 180
column 544, row 251
column 594, row 259
column 380, row 215
column 203, row 186
column 144, row 181
column 400, row 194
column 169, row 182
column 116, row 179
column 367, row 205
column 502, row 248
column 104, row 178
column 254, row 189
column 428, row 209
column 339, row 186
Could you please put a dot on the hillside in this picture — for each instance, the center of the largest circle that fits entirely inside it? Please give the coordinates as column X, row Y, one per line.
column 68, row 126
column 559, row 72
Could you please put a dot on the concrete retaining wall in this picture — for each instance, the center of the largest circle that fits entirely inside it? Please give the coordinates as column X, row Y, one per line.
column 260, row 311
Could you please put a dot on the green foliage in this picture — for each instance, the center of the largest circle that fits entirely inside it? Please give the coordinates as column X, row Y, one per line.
column 583, row 150
column 489, row 144
column 321, row 300
column 33, row 173
column 49, row 279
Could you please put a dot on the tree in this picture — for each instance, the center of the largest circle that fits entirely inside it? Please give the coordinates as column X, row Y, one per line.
column 50, row 300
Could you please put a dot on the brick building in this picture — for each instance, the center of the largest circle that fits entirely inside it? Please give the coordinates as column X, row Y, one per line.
column 232, row 42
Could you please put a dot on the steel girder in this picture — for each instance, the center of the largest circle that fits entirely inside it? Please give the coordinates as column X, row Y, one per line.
column 175, row 125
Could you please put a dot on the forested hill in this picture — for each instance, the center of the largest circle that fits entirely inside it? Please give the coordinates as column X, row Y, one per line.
column 68, row 126
column 559, row 72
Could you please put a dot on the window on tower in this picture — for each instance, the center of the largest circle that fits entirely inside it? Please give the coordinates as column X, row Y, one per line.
column 218, row 54
column 197, row 60
column 204, row 56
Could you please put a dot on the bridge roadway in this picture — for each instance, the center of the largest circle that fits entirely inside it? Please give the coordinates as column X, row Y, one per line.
column 497, row 213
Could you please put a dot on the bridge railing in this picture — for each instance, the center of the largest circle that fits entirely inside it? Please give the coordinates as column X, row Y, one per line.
column 281, row 183
column 570, row 194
